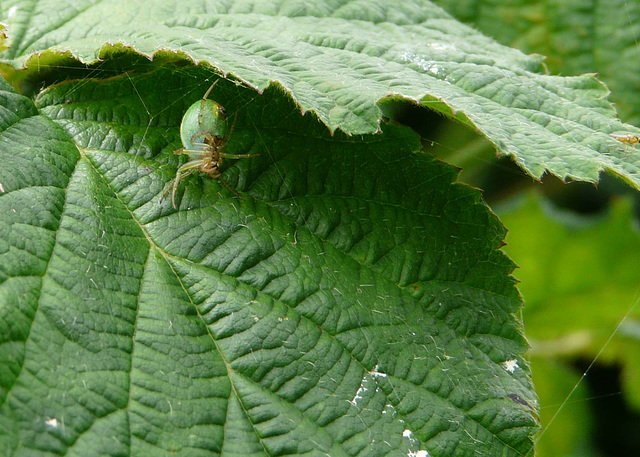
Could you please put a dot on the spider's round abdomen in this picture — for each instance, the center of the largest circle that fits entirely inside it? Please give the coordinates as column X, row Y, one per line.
column 213, row 122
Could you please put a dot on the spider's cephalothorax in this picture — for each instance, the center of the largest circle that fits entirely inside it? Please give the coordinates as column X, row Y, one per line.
column 204, row 132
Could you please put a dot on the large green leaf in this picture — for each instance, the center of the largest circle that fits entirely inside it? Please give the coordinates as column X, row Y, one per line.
column 340, row 59
column 354, row 302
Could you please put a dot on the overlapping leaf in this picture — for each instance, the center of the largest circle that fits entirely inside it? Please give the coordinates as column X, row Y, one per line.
column 341, row 59
column 576, row 37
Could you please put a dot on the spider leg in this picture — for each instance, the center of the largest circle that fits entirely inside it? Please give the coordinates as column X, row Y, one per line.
column 206, row 135
column 196, row 152
column 226, row 184
column 204, row 99
column 237, row 156
column 206, row 94
column 225, row 140
column 184, row 171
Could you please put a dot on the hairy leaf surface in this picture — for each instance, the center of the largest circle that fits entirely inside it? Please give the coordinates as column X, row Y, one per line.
column 353, row 302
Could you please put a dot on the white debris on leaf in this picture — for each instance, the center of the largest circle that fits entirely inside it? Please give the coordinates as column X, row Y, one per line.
column 364, row 388
column 53, row 422
column 363, row 384
column 408, row 434
column 427, row 65
column 359, row 394
column 510, row 365
column 376, row 374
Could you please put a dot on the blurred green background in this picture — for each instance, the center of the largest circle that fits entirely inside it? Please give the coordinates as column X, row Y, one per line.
column 577, row 245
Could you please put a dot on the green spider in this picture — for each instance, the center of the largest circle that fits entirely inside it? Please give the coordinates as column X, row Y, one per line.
column 204, row 132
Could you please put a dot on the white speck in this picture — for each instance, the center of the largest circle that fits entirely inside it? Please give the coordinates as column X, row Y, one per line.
column 358, row 395
column 12, row 11
column 376, row 374
column 388, row 408
column 2, row 188
column 442, row 46
column 53, row 422
column 420, row 453
column 510, row 365
column 424, row 64
column 363, row 385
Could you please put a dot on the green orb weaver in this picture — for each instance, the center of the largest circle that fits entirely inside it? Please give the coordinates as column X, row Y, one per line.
column 204, row 132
